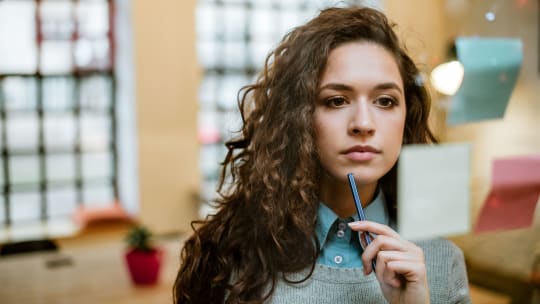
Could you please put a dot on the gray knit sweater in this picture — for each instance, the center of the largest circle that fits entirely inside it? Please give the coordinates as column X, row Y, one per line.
column 445, row 270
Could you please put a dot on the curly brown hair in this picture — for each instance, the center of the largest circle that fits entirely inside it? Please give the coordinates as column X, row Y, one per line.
column 264, row 227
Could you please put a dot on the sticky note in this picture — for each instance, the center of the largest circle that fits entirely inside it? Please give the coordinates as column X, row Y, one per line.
column 433, row 191
column 491, row 67
column 514, row 194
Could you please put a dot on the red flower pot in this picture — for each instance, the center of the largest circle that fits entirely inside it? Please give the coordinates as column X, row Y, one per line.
column 144, row 266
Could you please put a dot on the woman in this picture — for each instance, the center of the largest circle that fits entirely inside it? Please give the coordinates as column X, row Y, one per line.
column 339, row 95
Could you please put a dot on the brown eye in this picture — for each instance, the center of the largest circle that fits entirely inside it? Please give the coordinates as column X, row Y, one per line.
column 386, row 102
column 335, row 102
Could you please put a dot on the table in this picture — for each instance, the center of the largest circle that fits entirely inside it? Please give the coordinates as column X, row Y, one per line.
column 86, row 274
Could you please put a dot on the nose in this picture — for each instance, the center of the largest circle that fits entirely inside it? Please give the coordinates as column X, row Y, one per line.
column 362, row 121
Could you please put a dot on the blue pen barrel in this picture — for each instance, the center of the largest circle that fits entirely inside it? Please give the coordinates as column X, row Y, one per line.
column 360, row 212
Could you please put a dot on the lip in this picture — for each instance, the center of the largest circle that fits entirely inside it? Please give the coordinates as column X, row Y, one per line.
column 361, row 152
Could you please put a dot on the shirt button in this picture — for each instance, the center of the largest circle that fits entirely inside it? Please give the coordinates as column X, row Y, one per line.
column 342, row 226
column 338, row 259
column 340, row 233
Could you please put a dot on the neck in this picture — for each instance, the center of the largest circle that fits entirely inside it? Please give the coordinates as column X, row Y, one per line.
column 336, row 194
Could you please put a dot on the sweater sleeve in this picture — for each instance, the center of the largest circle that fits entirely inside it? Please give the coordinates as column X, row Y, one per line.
column 458, row 284
column 447, row 275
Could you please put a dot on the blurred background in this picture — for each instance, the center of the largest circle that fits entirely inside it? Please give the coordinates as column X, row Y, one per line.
column 114, row 112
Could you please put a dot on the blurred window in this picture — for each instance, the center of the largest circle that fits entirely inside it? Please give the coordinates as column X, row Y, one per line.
column 57, row 109
column 233, row 39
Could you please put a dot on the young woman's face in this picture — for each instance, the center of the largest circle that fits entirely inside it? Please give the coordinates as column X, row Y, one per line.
column 360, row 113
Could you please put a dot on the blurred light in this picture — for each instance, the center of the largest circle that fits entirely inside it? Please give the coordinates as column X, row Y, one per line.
column 490, row 16
column 447, row 77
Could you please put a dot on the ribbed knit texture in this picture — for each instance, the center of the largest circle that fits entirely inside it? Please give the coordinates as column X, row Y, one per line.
column 446, row 273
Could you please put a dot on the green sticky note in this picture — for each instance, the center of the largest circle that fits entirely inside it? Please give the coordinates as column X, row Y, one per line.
column 491, row 67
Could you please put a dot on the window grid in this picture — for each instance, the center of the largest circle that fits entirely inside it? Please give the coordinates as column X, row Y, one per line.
column 80, row 102
column 233, row 40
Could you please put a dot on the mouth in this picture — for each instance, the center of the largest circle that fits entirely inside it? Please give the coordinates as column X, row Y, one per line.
column 361, row 153
column 362, row 149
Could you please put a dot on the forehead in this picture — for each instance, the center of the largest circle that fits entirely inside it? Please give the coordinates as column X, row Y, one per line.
column 361, row 61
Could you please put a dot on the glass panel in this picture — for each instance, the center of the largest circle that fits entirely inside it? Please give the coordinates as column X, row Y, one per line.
column 206, row 21
column 19, row 93
column 96, row 165
column 61, row 202
column 20, row 56
column 96, row 93
column 209, row 161
column 93, row 18
column 56, row 57
column 92, row 53
column 2, row 210
column 262, row 3
column 1, row 178
column 60, row 167
column 98, row 195
column 234, row 22
column 208, row 90
column 208, row 127
column 59, row 131
column 229, row 90
column 57, row 21
column 95, row 132
column 234, row 54
column 259, row 50
column 261, row 20
column 208, row 54
column 25, row 206
column 288, row 20
column 22, row 132
column 24, row 169
column 58, row 93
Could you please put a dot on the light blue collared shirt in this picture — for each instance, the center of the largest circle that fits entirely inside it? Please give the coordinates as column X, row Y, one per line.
column 340, row 247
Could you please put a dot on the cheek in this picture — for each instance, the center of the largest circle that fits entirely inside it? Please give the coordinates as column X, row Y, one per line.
column 395, row 135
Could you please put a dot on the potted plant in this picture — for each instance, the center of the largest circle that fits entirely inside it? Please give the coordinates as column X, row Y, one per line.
column 143, row 259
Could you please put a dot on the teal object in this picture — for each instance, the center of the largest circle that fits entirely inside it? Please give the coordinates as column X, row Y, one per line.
column 491, row 67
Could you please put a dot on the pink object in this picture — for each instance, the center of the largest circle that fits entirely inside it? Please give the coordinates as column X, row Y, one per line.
column 85, row 216
column 144, row 267
column 208, row 135
column 513, row 196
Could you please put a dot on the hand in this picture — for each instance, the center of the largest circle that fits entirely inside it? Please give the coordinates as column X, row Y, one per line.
column 400, row 265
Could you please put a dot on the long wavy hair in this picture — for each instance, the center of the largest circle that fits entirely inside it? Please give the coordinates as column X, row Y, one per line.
column 264, row 227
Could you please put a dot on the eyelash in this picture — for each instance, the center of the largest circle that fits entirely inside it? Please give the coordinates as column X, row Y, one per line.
column 330, row 101
column 390, row 101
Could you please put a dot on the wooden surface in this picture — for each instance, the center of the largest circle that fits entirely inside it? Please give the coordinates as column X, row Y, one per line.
column 91, row 269
column 85, row 274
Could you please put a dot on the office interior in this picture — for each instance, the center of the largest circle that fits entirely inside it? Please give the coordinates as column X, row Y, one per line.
column 142, row 96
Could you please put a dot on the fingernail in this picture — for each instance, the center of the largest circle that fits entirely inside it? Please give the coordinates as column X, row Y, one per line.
column 353, row 224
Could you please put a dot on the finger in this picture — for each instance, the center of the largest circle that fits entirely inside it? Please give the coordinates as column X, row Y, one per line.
column 388, row 256
column 373, row 227
column 382, row 242
column 391, row 278
column 390, row 249
column 412, row 271
column 386, row 275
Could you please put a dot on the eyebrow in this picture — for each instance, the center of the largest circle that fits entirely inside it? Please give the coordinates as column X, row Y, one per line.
column 344, row 87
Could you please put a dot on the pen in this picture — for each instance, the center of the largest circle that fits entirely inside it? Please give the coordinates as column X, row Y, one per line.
column 360, row 212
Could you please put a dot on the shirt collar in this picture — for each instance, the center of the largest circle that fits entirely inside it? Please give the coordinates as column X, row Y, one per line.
column 376, row 212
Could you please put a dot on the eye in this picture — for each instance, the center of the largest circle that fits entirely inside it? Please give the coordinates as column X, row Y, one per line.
column 336, row 101
column 386, row 102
